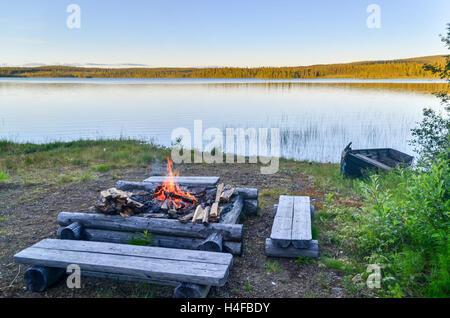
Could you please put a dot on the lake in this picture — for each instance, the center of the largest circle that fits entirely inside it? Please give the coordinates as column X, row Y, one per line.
column 317, row 118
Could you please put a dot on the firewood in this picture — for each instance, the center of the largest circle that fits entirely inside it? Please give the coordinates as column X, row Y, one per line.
column 105, row 194
column 165, row 205
column 219, row 192
column 127, row 212
column 186, row 218
column 214, row 213
column 184, row 198
column 198, row 211
column 199, row 218
column 133, row 204
column 172, row 211
column 124, row 215
column 226, row 195
column 206, row 215
column 213, row 220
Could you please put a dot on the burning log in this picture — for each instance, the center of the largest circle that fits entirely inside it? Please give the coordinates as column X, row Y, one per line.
column 182, row 197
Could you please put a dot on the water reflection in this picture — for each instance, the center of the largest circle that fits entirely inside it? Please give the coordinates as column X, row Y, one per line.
column 316, row 119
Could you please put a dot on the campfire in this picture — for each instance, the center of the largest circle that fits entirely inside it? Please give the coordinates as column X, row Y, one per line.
column 170, row 200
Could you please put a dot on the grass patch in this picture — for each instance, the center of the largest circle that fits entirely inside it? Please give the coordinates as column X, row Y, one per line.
column 273, row 267
column 342, row 265
column 39, row 163
column 103, row 167
column 248, row 287
column 4, row 177
column 3, row 218
column 303, row 260
column 86, row 177
column 144, row 290
column 100, row 155
column 142, row 239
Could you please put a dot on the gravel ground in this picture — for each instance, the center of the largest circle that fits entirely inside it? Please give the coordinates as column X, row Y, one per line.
column 28, row 214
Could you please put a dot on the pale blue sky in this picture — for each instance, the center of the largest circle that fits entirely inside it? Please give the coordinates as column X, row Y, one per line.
column 218, row 32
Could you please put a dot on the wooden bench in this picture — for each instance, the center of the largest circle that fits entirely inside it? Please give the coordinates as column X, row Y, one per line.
column 195, row 270
column 291, row 234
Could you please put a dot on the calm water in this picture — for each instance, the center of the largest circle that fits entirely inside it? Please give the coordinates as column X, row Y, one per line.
column 317, row 118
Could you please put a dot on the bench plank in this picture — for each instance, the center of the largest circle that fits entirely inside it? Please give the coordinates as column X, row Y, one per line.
column 282, row 224
column 197, row 267
column 136, row 250
column 301, row 223
column 194, row 181
column 121, row 237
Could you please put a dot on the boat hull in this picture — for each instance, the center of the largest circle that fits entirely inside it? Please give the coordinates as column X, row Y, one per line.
column 356, row 162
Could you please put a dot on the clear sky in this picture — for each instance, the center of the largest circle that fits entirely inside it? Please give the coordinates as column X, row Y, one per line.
column 218, row 32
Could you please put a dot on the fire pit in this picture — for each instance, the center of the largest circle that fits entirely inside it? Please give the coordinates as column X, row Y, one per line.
column 175, row 211
column 199, row 203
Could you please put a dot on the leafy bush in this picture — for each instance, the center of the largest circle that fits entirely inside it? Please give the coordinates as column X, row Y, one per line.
column 403, row 226
column 431, row 137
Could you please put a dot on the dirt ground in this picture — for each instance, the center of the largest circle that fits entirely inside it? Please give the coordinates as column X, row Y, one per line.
column 28, row 214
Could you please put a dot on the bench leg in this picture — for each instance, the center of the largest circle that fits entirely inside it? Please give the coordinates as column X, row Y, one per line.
column 38, row 278
column 187, row 290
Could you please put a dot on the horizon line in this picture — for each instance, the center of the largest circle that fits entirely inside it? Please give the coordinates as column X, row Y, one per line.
column 140, row 65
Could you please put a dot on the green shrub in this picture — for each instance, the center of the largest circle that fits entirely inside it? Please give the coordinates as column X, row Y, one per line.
column 403, row 226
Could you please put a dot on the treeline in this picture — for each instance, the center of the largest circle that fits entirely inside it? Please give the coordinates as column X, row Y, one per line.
column 406, row 68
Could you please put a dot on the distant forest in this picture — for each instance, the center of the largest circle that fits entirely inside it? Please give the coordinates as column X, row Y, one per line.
column 404, row 68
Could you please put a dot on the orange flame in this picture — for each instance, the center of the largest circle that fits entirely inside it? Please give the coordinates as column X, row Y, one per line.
column 171, row 190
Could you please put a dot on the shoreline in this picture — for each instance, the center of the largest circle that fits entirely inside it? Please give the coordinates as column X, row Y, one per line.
column 213, row 80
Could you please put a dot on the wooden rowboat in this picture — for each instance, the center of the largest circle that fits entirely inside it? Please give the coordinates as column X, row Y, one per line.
column 355, row 161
